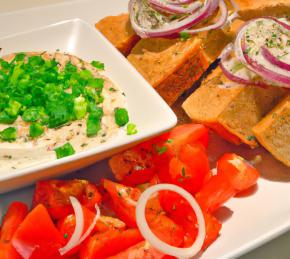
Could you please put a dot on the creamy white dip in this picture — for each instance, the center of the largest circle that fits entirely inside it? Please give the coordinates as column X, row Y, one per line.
column 25, row 152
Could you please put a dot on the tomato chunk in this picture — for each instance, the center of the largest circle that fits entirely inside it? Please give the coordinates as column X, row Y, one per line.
column 213, row 227
column 215, row 193
column 240, row 173
column 54, row 195
column 123, row 199
column 37, row 236
column 14, row 216
column 109, row 243
column 142, row 250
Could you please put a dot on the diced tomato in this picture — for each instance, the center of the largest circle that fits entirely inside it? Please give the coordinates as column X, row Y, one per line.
column 109, row 243
column 123, row 199
column 131, row 165
column 38, row 236
column 106, row 223
column 187, row 134
column 240, row 173
column 91, row 197
column 188, row 171
column 54, row 195
column 67, row 225
column 14, row 216
column 139, row 176
column 215, row 193
column 165, row 229
column 213, row 227
column 142, row 250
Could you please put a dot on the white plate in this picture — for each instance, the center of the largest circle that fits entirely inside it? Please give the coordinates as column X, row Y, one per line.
column 248, row 221
column 146, row 108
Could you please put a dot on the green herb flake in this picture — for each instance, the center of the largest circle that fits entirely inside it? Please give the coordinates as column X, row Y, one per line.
column 64, row 151
column 169, row 141
column 65, row 235
column 183, row 171
column 131, row 129
column 98, row 65
column 184, row 35
column 160, row 150
column 251, row 138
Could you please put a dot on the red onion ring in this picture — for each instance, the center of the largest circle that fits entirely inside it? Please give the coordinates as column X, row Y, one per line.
column 230, row 75
column 275, row 61
column 179, row 2
column 172, row 28
column 170, row 8
column 284, row 24
column 220, row 22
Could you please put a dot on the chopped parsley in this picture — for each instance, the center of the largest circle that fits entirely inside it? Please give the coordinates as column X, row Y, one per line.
column 184, row 35
column 98, row 65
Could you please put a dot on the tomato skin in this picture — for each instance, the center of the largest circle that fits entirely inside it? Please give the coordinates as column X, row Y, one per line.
column 241, row 174
column 122, row 200
column 137, row 177
column 14, row 216
column 142, row 250
column 37, row 234
column 54, row 195
column 106, row 223
column 106, row 244
column 213, row 227
column 215, row 193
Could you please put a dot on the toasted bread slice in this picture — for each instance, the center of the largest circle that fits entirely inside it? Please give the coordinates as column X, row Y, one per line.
column 172, row 66
column 231, row 112
column 250, row 9
column 118, row 30
column 273, row 131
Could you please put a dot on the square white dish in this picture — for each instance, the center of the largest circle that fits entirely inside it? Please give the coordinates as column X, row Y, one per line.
column 146, row 108
column 256, row 219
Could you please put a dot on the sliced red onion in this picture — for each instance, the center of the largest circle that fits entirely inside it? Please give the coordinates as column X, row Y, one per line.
column 244, row 79
column 235, row 14
column 274, row 60
column 220, row 22
column 267, row 73
column 284, row 24
column 173, row 27
column 154, row 240
column 179, row 2
column 170, row 8
column 77, row 237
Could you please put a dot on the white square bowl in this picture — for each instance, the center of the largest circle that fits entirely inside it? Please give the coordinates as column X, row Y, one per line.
column 146, row 108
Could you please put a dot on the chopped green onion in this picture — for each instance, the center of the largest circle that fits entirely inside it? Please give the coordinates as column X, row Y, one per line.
column 121, row 116
column 80, row 107
column 5, row 118
column 64, row 151
column 98, row 65
column 94, row 122
column 131, row 129
column 13, row 108
column 32, row 114
column 35, row 130
column 8, row 134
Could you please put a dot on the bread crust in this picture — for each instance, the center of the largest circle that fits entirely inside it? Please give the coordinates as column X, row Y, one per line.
column 273, row 131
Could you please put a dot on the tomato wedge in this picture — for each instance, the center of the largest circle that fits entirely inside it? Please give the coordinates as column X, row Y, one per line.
column 109, row 243
column 14, row 216
column 240, row 173
column 215, row 192
column 213, row 227
column 123, row 199
column 54, row 195
column 37, row 236
column 142, row 250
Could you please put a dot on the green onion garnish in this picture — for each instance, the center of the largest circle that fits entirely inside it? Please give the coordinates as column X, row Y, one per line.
column 8, row 134
column 65, row 150
column 121, row 116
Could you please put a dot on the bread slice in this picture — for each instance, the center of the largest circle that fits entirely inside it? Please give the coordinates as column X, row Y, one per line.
column 250, row 9
column 231, row 112
column 118, row 30
column 273, row 131
column 172, row 66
